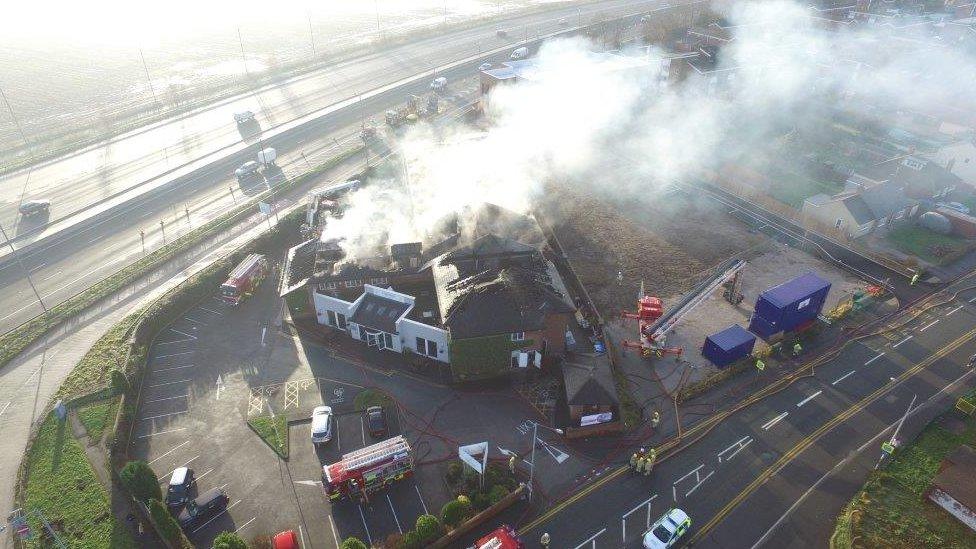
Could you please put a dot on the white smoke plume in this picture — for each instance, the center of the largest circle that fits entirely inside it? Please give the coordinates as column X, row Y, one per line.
column 620, row 133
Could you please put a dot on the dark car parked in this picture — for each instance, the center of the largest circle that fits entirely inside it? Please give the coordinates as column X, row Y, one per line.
column 34, row 207
column 179, row 486
column 207, row 505
column 376, row 421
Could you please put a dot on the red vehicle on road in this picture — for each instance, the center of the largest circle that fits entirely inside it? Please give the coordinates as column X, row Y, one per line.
column 504, row 537
column 366, row 471
column 244, row 279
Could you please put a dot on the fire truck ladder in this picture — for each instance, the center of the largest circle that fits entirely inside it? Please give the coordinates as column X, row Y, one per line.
column 375, row 453
column 668, row 320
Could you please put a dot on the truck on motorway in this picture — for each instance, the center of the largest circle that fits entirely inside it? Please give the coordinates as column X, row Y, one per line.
column 244, row 279
column 243, row 117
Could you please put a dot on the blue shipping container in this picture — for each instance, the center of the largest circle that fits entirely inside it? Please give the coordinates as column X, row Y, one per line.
column 729, row 345
column 762, row 327
column 792, row 303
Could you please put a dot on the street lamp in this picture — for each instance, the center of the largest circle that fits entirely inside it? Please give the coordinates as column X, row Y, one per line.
column 535, row 440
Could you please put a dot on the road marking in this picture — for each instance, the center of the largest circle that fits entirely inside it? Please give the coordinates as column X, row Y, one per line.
column 210, row 310
column 369, row 538
column 175, row 448
column 392, row 510
column 173, row 368
column 417, row 488
column 808, row 399
column 700, row 482
column 4, row 409
column 843, row 377
column 193, row 320
column 591, row 538
column 623, row 518
column 163, row 415
column 873, row 359
column 162, row 432
column 301, row 534
column 245, row 525
column 171, row 342
column 166, row 398
column 198, row 477
column 362, row 426
column 169, row 383
column 930, row 324
column 902, row 341
column 335, row 535
column 738, row 446
column 698, row 479
column 973, row 300
column 954, row 310
column 774, row 421
column 175, row 354
column 49, row 277
column 217, row 516
column 191, row 336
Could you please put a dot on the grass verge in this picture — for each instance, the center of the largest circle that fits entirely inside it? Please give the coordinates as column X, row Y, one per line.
column 273, row 430
column 891, row 510
column 371, row 397
column 925, row 244
column 96, row 417
column 92, row 371
column 62, row 486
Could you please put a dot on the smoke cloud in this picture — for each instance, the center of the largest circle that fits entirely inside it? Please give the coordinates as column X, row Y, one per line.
column 626, row 135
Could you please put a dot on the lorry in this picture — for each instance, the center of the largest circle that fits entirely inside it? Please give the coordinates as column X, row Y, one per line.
column 244, row 279
column 267, row 156
column 364, row 472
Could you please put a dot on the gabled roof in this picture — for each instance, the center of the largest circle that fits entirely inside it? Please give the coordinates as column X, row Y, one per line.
column 589, row 384
column 489, row 246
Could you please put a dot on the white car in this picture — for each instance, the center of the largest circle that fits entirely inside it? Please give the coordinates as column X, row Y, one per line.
column 321, row 425
column 484, row 66
column 438, row 83
column 667, row 530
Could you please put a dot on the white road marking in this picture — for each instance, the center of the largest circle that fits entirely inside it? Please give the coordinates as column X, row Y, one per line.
column 170, row 369
column 954, row 310
column 301, row 533
column 162, row 432
column 774, row 421
column 218, row 515
column 873, row 359
column 210, row 310
column 973, row 300
column 163, row 415
column 808, row 399
column 193, row 320
column 165, row 398
column 198, row 477
column 245, row 525
column 169, row 383
column 591, row 538
column 695, row 471
column 392, row 510
column 902, row 341
column 175, row 354
column 417, row 488
column 161, row 343
column 362, row 426
column 700, row 482
column 191, row 336
column 843, row 377
column 4, row 409
column 737, row 445
column 369, row 537
column 930, row 324
column 175, row 448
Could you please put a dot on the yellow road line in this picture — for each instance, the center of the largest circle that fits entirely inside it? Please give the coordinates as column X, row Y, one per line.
column 813, row 437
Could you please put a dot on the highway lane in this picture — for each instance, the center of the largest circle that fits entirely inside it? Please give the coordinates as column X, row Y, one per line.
column 737, row 481
column 72, row 263
column 98, row 173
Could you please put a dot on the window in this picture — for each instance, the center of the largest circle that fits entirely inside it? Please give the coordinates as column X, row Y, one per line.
column 327, row 286
column 518, row 336
column 426, row 347
column 421, row 345
column 351, row 283
column 332, row 318
column 341, row 321
column 431, row 348
column 387, row 340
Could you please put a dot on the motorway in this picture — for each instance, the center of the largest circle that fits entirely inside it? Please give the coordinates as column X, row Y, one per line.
column 76, row 259
column 742, row 473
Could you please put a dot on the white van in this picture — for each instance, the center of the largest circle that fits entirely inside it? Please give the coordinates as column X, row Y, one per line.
column 438, row 83
column 520, row 53
column 321, row 425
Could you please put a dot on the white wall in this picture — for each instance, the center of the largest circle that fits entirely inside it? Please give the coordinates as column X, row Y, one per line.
column 410, row 330
column 324, row 303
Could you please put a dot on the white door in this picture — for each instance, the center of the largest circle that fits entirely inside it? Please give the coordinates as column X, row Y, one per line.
column 372, row 340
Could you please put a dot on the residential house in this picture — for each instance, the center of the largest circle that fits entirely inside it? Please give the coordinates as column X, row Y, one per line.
column 916, row 176
column 592, row 404
column 954, row 487
column 865, row 205
column 959, row 160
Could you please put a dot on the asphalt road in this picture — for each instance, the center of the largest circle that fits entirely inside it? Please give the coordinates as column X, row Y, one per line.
column 80, row 180
column 742, row 477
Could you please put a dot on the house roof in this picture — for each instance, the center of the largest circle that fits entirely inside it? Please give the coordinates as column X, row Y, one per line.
column 930, row 178
column 588, row 382
column 379, row 313
column 859, row 209
column 886, row 198
column 490, row 246
column 956, row 476
column 299, row 266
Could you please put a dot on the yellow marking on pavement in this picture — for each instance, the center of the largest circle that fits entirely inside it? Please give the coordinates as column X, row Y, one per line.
column 813, row 437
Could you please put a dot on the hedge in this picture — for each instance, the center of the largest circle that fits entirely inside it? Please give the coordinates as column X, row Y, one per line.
column 479, row 358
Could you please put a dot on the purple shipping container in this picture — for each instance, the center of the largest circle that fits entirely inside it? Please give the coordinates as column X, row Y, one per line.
column 783, row 308
column 729, row 345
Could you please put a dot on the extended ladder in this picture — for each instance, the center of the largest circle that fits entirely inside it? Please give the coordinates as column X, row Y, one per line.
column 375, row 453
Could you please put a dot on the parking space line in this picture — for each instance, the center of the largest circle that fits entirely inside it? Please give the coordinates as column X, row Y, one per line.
column 843, row 377
column 166, row 398
column 417, row 488
column 873, row 359
column 193, row 320
column 392, row 510
column 369, row 537
column 211, row 311
column 175, row 448
column 218, row 515
column 808, row 399
column 198, row 477
column 245, row 525
column 335, row 535
column 362, row 427
column 973, row 300
column 161, row 343
column 175, row 354
column 163, row 415
column 954, row 310
column 774, row 421
column 173, row 368
column 902, row 341
column 169, row 383
column 162, row 432
column 191, row 336
column 930, row 324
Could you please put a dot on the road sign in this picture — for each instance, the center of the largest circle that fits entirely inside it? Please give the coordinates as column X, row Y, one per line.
column 887, row 447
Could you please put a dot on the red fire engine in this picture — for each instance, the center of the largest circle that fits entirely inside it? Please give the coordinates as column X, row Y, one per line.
column 244, row 279
column 368, row 470
column 504, row 537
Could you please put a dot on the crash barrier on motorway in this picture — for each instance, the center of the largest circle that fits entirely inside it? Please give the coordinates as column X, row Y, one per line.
column 20, row 338
column 478, row 519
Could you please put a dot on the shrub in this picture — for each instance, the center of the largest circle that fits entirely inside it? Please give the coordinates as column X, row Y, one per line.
column 353, row 543
column 454, row 472
column 229, row 540
column 480, row 501
column 261, row 541
column 498, row 492
column 411, row 540
column 140, row 480
column 454, row 512
column 428, row 528
column 393, row 541
column 120, row 384
column 165, row 523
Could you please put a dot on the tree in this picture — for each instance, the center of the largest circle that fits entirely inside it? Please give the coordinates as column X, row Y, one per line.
column 498, row 492
column 165, row 523
column 455, row 511
column 411, row 540
column 229, row 540
column 353, row 543
column 140, row 480
column 428, row 528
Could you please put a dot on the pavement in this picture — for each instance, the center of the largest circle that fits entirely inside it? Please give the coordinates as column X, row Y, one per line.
column 777, row 467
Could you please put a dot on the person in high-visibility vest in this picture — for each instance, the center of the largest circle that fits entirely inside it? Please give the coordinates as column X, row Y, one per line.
column 544, row 540
column 651, row 459
column 915, row 278
column 511, row 464
column 633, row 460
column 639, row 468
column 797, row 349
column 760, row 365
column 655, row 418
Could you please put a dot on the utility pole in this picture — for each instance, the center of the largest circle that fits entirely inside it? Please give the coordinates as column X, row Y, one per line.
column 362, row 110
column 148, row 78
column 20, row 128
column 376, row 6
column 30, row 281
column 232, row 197
column 535, row 440
column 162, row 229
column 894, row 436
column 142, row 238
column 240, row 40
column 311, row 35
